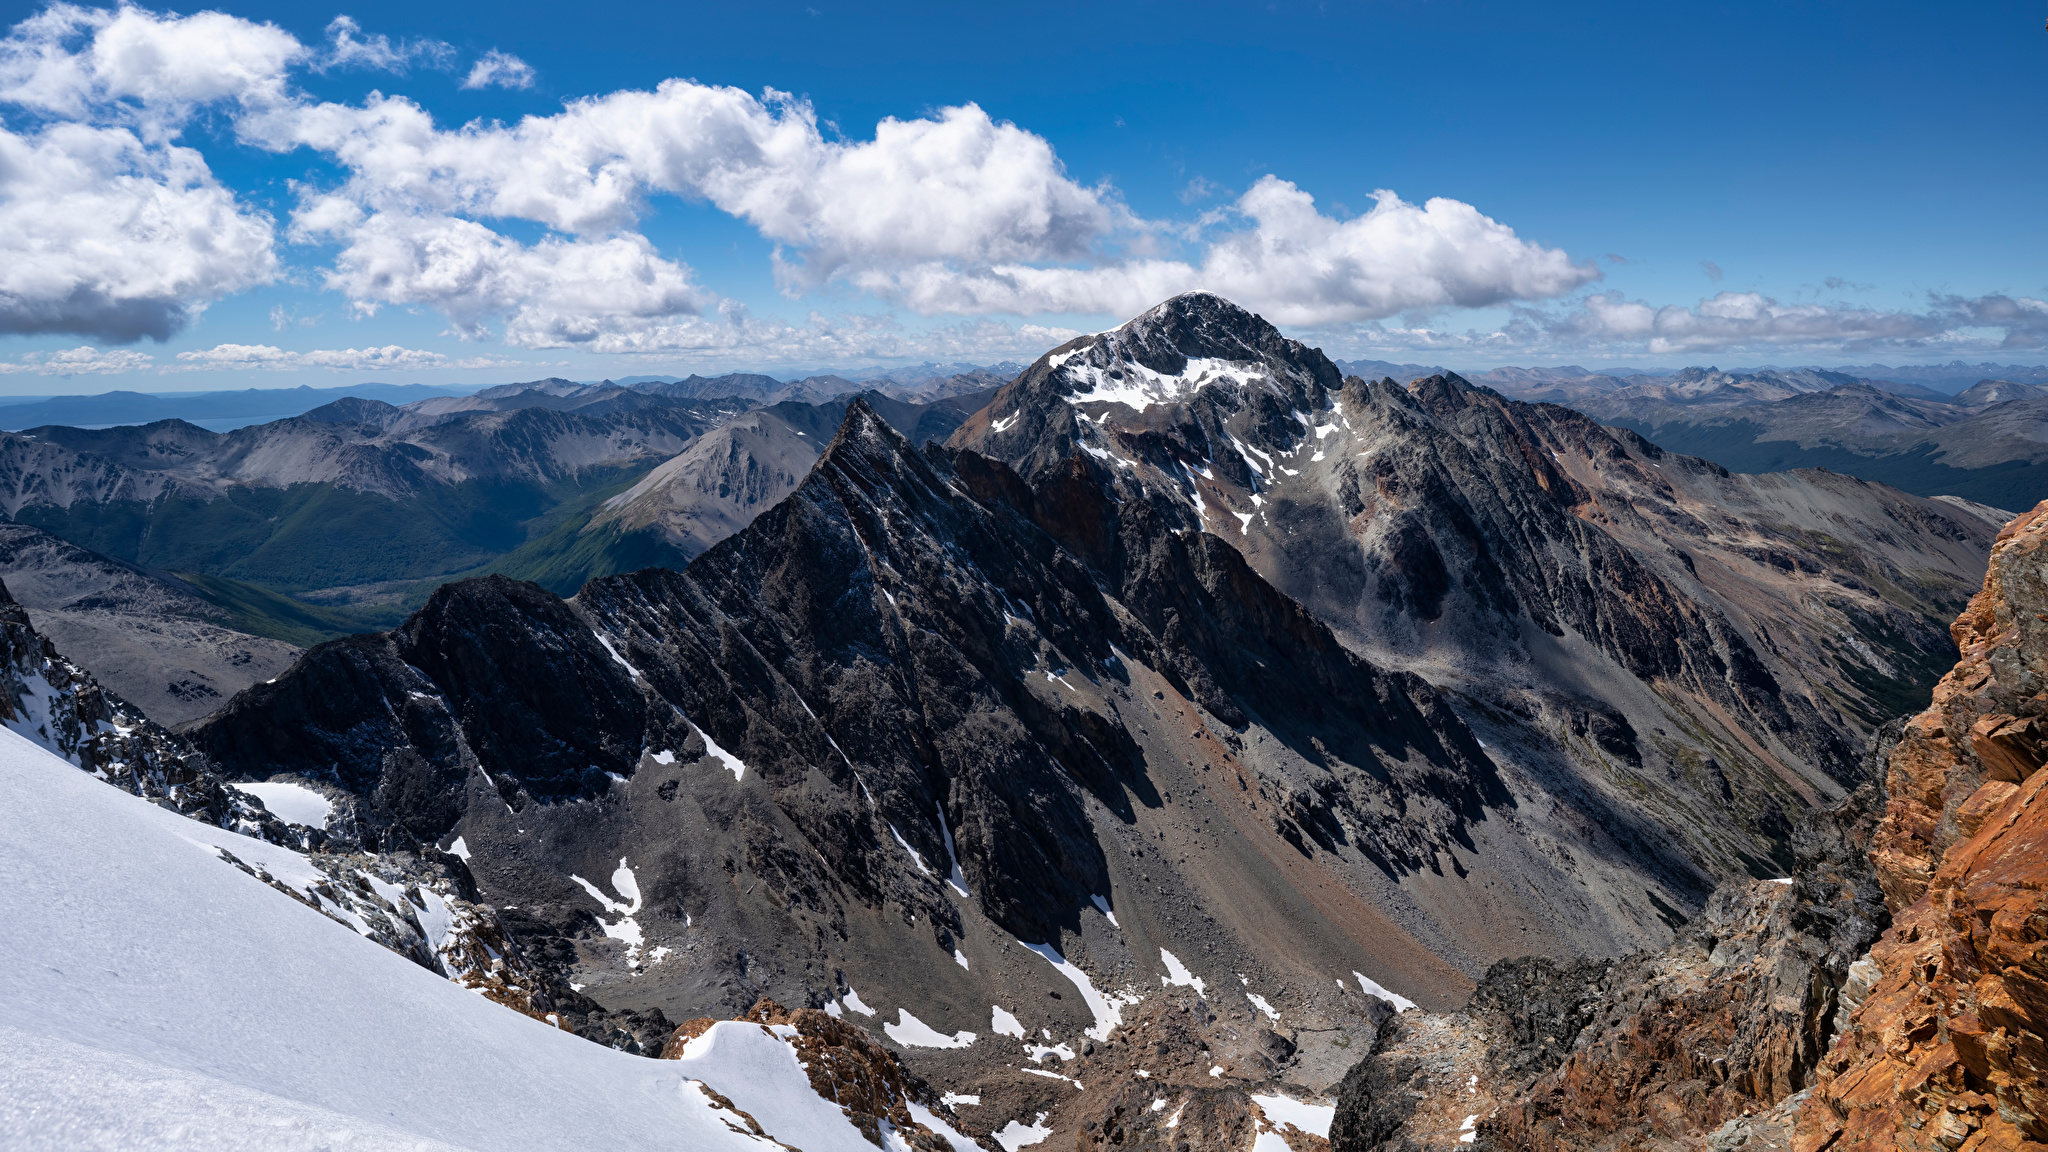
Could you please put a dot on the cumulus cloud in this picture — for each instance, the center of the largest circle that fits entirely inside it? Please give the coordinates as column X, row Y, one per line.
column 106, row 237
column 553, row 293
column 1293, row 264
column 86, row 361
column 266, row 356
column 107, row 229
column 150, row 70
column 956, row 213
column 501, row 69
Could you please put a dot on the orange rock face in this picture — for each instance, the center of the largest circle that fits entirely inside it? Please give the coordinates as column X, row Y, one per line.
column 1950, row 1049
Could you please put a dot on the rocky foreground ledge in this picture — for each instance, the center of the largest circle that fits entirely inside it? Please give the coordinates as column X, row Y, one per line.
column 1891, row 994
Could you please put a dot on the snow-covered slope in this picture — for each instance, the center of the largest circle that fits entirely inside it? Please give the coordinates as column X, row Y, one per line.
column 155, row 997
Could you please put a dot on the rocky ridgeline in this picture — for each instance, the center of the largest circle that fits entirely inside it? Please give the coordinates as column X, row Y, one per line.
column 1950, row 1049
column 414, row 900
column 48, row 699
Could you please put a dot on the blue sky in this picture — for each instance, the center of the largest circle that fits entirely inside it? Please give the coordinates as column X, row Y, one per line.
column 1620, row 184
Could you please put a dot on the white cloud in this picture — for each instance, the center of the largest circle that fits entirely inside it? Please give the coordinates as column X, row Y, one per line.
column 265, row 356
column 500, row 68
column 103, row 236
column 1294, row 265
column 553, row 293
column 955, row 213
column 130, row 65
column 1743, row 320
column 1611, row 324
column 85, row 361
column 731, row 335
column 349, row 48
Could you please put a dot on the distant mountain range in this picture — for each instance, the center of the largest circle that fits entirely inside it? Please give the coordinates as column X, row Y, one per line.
column 226, row 411
column 344, row 518
column 217, row 411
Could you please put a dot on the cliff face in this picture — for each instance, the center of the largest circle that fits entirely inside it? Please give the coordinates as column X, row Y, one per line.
column 1948, row 1051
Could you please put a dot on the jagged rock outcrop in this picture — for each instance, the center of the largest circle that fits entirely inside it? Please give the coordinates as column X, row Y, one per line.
column 1950, row 1047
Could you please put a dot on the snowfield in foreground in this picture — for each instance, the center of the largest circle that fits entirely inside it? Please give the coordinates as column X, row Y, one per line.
column 152, row 996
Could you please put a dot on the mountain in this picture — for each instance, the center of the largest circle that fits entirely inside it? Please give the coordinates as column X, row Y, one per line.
column 307, row 504
column 1401, row 373
column 1985, row 444
column 1949, row 378
column 710, row 490
column 153, row 639
column 1987, row 392
column 1680, row 657
column 219, row 411
column 895, row 746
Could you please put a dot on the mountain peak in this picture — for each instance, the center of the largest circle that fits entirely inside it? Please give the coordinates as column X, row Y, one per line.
column 1178, row 347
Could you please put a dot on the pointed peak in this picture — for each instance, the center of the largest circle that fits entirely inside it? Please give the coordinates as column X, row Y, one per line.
column 1180, row 346
column 865, row 435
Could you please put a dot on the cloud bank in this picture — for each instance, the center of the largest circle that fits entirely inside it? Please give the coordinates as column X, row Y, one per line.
column 113, row 226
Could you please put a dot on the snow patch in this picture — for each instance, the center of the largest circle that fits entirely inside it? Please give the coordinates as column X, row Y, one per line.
column 291, row 802
column 956, row 1099
column 711, row 748
column 1259, row 1002
column 601, row 639
column 915, row 857
column 1401, row 1003
column 665, row 756
column 958, row 880
column 911, row 1032
column 1003, row 425
column 1178, row 976
column 1038, row 1052
column 1004, row 1023
column 1015, row 1135
column 625, row 928
column 960, row 958
column 1102, row 906
column 852, row 1000
column 1141, row 387
column 1311, row 1118
column 459, row 848
column 1108, row 1010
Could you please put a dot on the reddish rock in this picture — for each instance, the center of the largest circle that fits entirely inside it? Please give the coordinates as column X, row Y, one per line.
column 1950, row 1049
